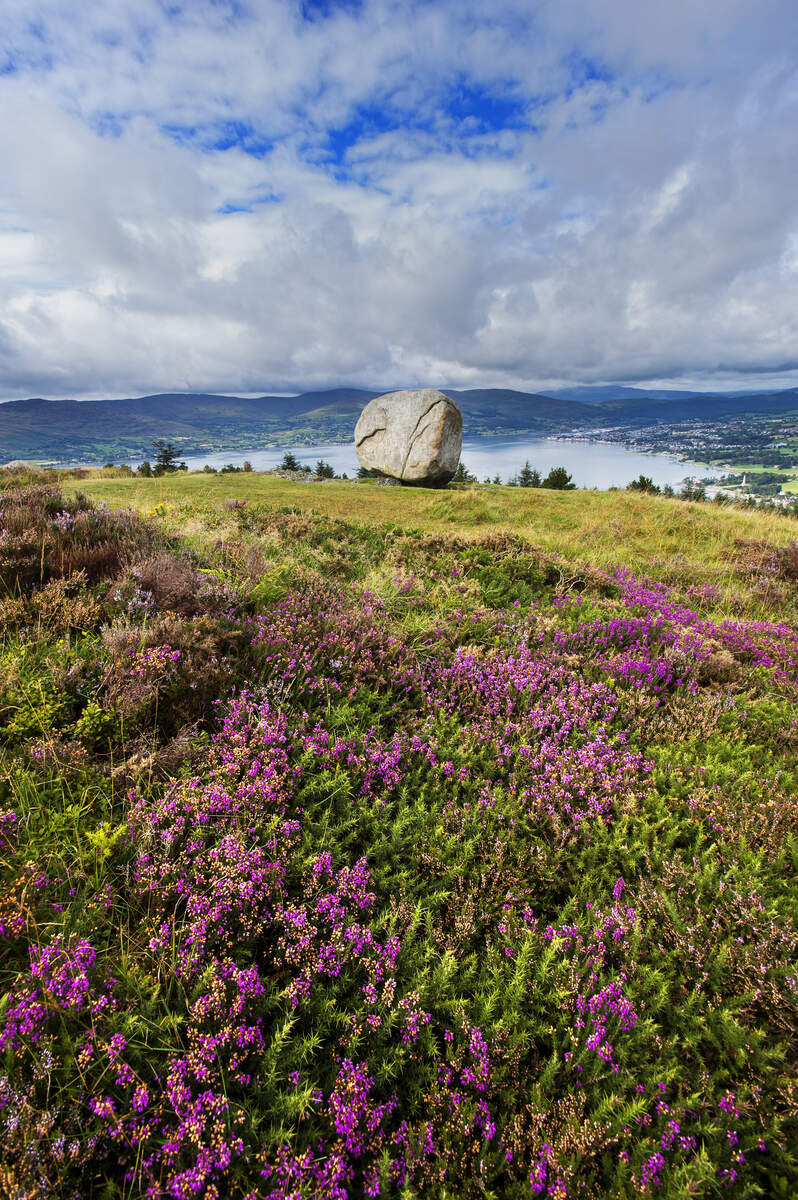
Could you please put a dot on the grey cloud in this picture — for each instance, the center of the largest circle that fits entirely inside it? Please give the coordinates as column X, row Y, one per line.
column 645, row 228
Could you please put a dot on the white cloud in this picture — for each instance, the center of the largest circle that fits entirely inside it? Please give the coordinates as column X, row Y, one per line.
column 632, row 217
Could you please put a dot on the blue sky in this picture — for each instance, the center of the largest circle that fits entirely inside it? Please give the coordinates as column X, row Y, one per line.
column 219, row 195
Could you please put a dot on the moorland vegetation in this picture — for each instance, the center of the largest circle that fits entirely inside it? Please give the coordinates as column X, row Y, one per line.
column 428, row 844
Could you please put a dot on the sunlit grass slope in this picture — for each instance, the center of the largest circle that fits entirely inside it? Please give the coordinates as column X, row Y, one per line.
column 645, row 532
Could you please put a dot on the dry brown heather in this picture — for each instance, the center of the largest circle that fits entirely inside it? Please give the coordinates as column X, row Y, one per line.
column 663, row 537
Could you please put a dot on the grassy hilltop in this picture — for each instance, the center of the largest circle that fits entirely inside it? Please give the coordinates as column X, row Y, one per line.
column 368, row 841
column 643, row 531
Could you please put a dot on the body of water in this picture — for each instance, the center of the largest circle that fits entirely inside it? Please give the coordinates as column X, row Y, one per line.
column 592, row 464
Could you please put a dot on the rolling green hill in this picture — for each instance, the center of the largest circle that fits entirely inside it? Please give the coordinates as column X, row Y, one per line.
column 66, row 432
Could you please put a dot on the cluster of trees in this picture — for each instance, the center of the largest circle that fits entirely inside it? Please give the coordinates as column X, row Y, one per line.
column 694, row 489
column 765, row 483
column 227, row 469
column 528, row 477
column 322, row 470
column 644, row 483
column 166, row 461
column 290, row 462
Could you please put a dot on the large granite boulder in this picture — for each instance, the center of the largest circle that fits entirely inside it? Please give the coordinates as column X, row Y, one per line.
column 415, row 437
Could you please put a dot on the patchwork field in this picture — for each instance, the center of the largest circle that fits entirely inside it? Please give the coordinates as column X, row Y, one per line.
column 366, row 841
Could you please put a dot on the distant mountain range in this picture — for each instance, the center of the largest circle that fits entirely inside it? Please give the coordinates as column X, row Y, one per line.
column 598, row 394
column 641, row 407
column 66, row 432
